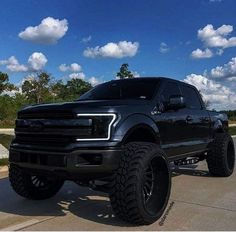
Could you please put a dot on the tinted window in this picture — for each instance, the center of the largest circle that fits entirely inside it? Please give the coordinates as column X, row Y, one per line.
column 124, row 89
column 170, row 89
column 191, row 97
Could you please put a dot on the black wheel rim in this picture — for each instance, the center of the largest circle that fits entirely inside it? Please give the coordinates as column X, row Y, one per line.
column 39, row 182
column 156, row 186
column 148, row 183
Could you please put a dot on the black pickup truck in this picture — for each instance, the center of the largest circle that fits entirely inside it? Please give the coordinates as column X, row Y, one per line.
column 119, row 137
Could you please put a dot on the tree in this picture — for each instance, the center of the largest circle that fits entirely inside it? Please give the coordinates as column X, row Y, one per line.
column 59, row 90
column 124, row 72
column 37, row 89
column 4, row 83
column 70, row 90
column 76, row 87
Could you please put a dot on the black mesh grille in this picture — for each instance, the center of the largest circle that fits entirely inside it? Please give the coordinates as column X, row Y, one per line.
column 42, row 139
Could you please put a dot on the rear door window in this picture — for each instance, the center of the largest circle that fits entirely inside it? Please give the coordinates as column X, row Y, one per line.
column 191, row 97
column 170, row 89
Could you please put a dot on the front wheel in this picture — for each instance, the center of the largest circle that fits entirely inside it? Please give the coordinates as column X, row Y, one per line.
column 141, row 186
column 33, row 186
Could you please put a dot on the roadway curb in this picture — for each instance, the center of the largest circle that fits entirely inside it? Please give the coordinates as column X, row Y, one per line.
column 7, row 131
column 4, row 153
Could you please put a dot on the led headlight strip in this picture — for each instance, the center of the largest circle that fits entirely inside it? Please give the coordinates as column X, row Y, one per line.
column 109, row 126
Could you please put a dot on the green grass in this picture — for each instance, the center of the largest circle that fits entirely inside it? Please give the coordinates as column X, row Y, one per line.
column 5, row 140
column 3, row 162
column 232, row 130
column 7, row 123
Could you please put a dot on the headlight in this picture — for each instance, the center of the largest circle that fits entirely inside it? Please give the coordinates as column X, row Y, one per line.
column 100, row 126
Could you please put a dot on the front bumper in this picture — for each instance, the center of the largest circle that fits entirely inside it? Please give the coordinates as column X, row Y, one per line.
column 79, row 164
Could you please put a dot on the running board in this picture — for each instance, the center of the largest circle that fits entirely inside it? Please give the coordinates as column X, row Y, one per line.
column 187, row 161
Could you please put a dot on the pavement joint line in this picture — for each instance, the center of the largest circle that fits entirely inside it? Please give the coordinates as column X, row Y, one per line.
column 26, row 224
column 208, row 206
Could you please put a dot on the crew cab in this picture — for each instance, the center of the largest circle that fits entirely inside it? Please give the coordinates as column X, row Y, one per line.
column 124, row 134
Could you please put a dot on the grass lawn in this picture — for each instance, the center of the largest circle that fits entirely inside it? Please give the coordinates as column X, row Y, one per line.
column 3, row 162
column 7, row 124
column 5, row 140
column 232, row 130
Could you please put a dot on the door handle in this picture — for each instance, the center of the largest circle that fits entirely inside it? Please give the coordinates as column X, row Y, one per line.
column 189, row 119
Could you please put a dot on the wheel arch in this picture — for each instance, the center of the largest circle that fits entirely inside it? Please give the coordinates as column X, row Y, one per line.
column 138, row 127
column 219, row 127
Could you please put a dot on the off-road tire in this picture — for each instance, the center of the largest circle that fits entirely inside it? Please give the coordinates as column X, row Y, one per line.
column 127, row 193
column 221, row 157
column 24, row 184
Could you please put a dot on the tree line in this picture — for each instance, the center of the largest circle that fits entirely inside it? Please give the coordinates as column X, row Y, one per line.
column 41, row 88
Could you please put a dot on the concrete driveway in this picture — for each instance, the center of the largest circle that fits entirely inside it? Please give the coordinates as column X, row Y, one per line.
column 198, row 202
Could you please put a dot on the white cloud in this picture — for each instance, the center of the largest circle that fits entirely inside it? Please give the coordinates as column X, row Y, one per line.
column 49, row 31
column 164, row 48
column 113, row 50
column 37, row 61
column 136, row 74
column 227, row 71
column 94, row 81
column 220, row 96
column 86, row 39
column 200, row 54
column 74, row 67
column 215, row 0
column 79, row 75
column 217, row 37
column 13, row 65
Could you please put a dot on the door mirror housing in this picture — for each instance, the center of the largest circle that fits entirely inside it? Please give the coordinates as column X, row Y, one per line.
column 176, row 102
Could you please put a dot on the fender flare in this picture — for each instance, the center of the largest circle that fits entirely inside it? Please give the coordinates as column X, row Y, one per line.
column 133, row 122
column 218, row 126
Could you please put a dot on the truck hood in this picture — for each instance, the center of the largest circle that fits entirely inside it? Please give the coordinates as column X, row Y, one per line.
column 86, row 106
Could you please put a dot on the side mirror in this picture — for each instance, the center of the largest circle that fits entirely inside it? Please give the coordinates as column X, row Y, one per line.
column 176, row 102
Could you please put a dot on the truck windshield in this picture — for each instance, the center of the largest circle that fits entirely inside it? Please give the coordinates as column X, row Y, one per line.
column 123, row 89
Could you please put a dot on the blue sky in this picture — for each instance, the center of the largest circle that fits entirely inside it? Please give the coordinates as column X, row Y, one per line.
column 159, row 35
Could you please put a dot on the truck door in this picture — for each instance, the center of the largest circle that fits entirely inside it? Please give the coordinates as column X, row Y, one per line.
column 198, row 119
column 172, row 124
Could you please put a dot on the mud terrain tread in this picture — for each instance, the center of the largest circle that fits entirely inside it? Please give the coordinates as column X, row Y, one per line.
column 123, row 187
column 20, row 182
column 217, row 156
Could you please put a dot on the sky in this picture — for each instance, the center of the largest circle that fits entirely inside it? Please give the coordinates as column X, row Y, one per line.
column 189, row 40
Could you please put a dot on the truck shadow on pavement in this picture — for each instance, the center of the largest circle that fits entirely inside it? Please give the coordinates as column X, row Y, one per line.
column 82, row 202
column 79, row 201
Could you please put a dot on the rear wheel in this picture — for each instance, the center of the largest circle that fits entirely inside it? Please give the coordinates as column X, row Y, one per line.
column 33, row 187
column 141, row 186
column 221, row 157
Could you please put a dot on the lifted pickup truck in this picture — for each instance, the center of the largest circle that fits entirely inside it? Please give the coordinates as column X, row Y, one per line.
column 119, row 137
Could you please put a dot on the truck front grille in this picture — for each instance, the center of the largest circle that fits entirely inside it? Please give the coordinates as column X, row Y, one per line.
column 51, row 132
column 44, row 139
